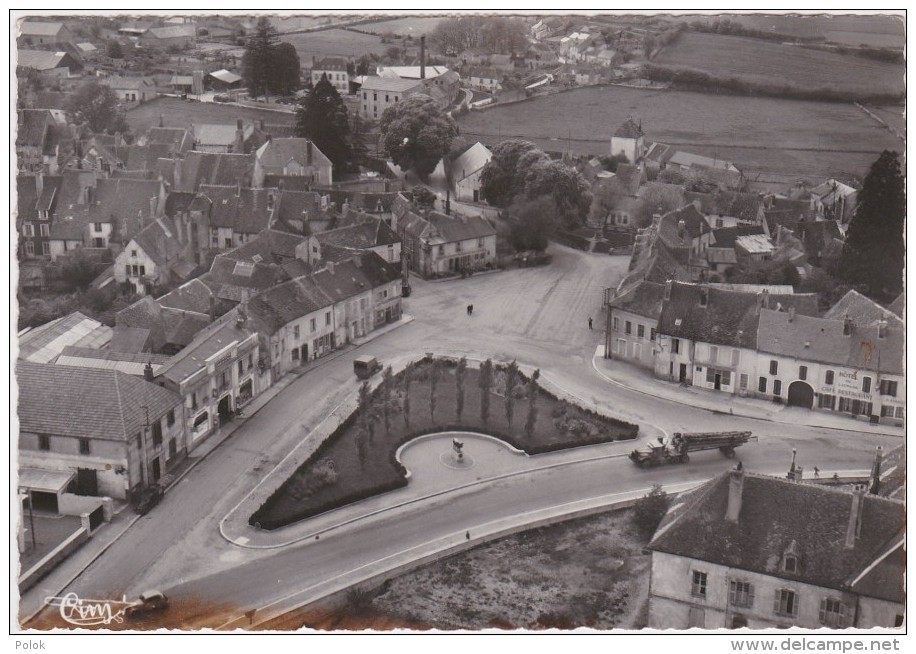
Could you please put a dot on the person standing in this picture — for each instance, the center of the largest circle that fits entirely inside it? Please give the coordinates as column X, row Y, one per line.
column 589, row 322
column 470, row 309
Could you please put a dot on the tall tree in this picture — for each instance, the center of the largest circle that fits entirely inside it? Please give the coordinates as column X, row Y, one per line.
column 359, row 134
column 97, row 105
column 416, row 134
column 501, row 179
column 512, row 379
column 407, row 378
column 287, row 73
column 531, row 422
column 322, row 117
column 485, row 382
column 461, row 373
column 258, row 60
column 362, row 433
column 532, row 223
column 387, row 382
column 435, row 372
column 874, row 252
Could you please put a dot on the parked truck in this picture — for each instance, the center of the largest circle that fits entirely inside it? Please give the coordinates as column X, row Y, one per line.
column 677, row 449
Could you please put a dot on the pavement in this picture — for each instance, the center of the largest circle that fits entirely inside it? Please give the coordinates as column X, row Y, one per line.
column 641, row 380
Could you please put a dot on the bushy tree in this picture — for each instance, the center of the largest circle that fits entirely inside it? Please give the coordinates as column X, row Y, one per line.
column 407, row 378
column 649, row 510
column 113, row 49
column 565, row 185
column 874, row 252
column 322, row 117
column 258, row 59
column 416, row 134
column 97, row 105
column 387, row 383
column 461, row 373
column 501, row 179
column 485, row 382
column 531, row 223
column 287, row 73
column 531, row 422
column 512, row 380
column 421, row 197
column 435, row 373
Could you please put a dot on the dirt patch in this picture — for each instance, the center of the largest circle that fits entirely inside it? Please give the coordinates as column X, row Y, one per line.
column 590, row 572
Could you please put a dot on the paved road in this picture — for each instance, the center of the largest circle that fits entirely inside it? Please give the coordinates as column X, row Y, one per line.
column 537, row 315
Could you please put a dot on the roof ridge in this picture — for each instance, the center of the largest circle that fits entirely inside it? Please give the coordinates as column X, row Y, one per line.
column 120, row 404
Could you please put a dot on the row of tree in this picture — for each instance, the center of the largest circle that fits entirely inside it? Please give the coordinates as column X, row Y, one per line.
column 492, row 35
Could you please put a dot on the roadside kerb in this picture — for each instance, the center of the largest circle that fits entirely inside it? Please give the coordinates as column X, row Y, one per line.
column 409, row 559
column 741, row 412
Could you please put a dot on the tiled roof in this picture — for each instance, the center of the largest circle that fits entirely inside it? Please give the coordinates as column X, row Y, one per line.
column 629, row 177
column 216, row 134
column 87, row 402
column 190, row 296
column 286, row 302
column 26, row 198
column 270, row 246
column 159, row 241
column 439, row 228
column 729, row 317
column 206, row 343
column 694, row 226
column 360, row 273
column 231, row 280
column 643, row 299
column 755, row 243
column 132, row 339
column 178, row 137
column 276, row 153
column 131, row 83
column 124, row 201
column 809, row 338
column 243, row 209
column 629, row 130
column 860, row 309
column 660, row 153
column 392, row 84
column 776, row 516
column 38, row 28
column 725, row 236
column 44, row 343
column 177, row 202
column 362, row 236
column 898, row 306
column 743, row 206
column 288, row 182
column 33, row 126
column 131, row 363
column 146, row 157
column 330, row 63
column 172, row 31
column 214, row 168
column 42, row 59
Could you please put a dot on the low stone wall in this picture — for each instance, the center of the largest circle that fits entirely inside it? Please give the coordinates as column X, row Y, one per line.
column 31, row 576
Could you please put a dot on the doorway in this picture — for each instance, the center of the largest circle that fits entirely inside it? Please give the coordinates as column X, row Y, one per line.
column 224, row 409
column 682, row 376
column 718, row 382
column 801, row 394
column 87, row 481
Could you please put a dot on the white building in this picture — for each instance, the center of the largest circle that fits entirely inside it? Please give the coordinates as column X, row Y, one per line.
column 629, row 141
column 466, row 170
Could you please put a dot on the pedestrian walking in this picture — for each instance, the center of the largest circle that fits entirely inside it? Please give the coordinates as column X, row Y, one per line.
column 589, row 322
column 740, row 465
column 470, row 309
column 467, row 535
column 817, row 473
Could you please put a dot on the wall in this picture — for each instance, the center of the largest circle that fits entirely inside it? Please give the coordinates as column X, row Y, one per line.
column 105, row 457
column 464, row 189
column 340, row 80
column 642, row 355
column 133, row 255
column 878, row 613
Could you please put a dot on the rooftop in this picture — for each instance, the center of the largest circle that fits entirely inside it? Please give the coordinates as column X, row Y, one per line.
column 207, row 342
column 44, row 344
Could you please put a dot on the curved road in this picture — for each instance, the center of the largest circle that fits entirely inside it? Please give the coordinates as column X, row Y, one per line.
column 538, row 316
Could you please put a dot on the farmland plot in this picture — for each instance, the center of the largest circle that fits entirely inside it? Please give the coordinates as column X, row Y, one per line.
column 735, row 56
column 873, row 31
column 334, row 43
column 409, row 25
column 777, row 139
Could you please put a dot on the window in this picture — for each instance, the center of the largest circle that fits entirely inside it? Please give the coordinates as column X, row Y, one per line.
column 241, row 367
column 97, row 227
column 887, row 411
column 774, row 367
column 628, row 328
column 713, row 354
column 29, row 248
column 652, row 334
column 777, row 387
column 28, row 229
column 327, row 318
column 675, row 345
column 866, row 384
column 621, row 347
column 616, row 323
column 84, row 446
column 193, row 400
column 828, row 378
column 888, row 387
column 698, row 586
column 641, row 331
column 803, row 372
column 44, row 443
column 833, row 613
column 46, row 248
column 296, row 332
column 740, row 593
column 170, row 418
column 742, row 382
column 790, row 563
column 762, row 385
column 312, row 325
column 44, row 229
column 826, row 401
column 142, row 270
column 133, row 253
column 157, row 433
column 898, row 412
column 441, row 249
column 786, row 603
column 250, row 360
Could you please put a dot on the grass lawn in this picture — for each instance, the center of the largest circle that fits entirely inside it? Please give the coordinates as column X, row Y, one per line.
column 734, row 56
column 588, row 572
column 180, row 113
column 409, row 25
column 338, row 473
column 334, row 43
column 775, row 139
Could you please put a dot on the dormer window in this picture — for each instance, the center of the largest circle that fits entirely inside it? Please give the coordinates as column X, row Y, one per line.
column 790, row 559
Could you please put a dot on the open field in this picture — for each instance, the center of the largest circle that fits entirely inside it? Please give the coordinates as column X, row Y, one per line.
column 873, row 31
column 589, row 572
column 735, row 56
column 778, row 140
column 181, row 113
column 892, row 115
column 334, row 43
column 412, row 25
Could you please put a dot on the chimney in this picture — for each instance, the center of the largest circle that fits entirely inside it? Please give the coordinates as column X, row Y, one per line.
column 39, row 182
column 668, row 290
column 176, row 173
column 882, row 328
column 239, row 146
column 153, row 204
column 161, row 122
column 735, row 491
column 847, row 325
column 423, row 57
column 238, row 189
column 308, row 152
column 876, row 472
column 681, row 228
column 791, row 314
column 448, row 202
column 330, row 267
column 212, row 308
column 148, row 371
column 855, row 519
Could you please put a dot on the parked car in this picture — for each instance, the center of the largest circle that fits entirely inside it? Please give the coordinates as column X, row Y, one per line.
column 405, row 288
column 147, row 498
column 221, row 98
column 150, row 601
column 366, row 366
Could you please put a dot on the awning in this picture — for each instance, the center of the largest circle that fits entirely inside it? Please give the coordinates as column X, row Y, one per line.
column 48, row 481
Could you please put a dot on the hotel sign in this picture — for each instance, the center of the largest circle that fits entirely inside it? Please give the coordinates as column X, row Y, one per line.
column 848, row 384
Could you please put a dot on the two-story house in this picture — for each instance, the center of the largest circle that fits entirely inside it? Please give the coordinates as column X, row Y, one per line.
column 150, row 256
column 750, row 551
column 334, row 69
column 294, row 157
column 437, row 244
